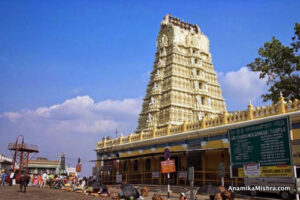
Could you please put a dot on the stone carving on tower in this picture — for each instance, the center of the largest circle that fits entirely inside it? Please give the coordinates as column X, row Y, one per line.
column 183, row 85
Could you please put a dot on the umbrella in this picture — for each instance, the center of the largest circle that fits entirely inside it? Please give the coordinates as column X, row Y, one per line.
column 128, row 191
column 209, row 189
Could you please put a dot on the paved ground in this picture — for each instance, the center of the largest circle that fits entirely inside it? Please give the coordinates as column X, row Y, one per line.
column 35, row 193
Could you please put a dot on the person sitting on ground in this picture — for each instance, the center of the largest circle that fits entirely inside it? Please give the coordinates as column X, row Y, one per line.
column 182, row 196
column 84, row 181
column 224, row 194
column 77, row 186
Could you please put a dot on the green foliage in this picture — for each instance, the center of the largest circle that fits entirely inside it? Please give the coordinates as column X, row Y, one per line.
column 280, row 66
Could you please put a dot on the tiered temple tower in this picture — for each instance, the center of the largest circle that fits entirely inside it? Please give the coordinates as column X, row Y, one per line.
column 183, row 84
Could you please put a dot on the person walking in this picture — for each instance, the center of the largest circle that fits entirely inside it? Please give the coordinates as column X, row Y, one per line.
column 44, row 179
column 3, row 176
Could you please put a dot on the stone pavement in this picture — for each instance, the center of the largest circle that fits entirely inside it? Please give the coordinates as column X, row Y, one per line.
column 36, row 193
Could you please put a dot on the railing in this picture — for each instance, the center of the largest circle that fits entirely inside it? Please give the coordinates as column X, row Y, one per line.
column 201, row 178
column 225, row 118
column 31, row 147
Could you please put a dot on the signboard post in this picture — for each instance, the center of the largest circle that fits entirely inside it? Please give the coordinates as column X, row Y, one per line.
column 261, row 150
column 191, row 179
column 167, row 157
column 221, row 172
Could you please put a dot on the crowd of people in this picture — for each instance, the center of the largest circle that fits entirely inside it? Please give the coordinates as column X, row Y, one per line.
column 67, row 182
column 59, row 181
column 45, row 180
column 92, row 186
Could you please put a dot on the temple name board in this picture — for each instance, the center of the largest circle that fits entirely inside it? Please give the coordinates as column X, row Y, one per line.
column 266, row 144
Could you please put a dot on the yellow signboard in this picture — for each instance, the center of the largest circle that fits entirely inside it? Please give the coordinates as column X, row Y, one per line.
column 271, row 171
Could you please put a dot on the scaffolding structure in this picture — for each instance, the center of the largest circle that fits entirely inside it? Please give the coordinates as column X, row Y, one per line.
column 21, row 152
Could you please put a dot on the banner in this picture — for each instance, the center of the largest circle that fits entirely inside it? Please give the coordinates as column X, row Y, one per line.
column 167, row 166
column 252, row 170
column 182, row 174
column 78, row 168
column 270, row 171
column 155, row 174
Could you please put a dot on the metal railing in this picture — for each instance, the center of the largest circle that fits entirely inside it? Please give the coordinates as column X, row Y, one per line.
column 203, row 177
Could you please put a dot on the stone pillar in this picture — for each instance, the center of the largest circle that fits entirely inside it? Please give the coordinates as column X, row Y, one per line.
column 250, row 111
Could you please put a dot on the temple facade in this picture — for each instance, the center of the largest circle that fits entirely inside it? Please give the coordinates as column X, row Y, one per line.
column 184, row 112
column 183, row 85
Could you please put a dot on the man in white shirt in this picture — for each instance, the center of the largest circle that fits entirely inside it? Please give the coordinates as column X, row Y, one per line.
column 44, row 179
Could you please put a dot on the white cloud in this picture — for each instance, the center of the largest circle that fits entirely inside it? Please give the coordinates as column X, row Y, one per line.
column 239, row 87
column 73, row 127
column 80, row 114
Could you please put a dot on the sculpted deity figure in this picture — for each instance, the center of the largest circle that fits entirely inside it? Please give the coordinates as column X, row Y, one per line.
column 164, row 40
column 206, row 86
column 196, row 85
column 176, row 48
column 161, row 62
column 200, row 115
column 149, row 118
column 152, row 100
column 188, row 40
column 194, row 72
column 155, row 86
column 198, row 98
column 158, row 72
column 165, row 21
column 193, row 61
column 202, row 74
column 209, row 102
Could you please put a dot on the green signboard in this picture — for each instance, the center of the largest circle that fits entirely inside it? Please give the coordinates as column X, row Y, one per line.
column 266, row 144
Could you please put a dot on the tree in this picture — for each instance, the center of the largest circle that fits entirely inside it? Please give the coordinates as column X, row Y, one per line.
column 280, row 65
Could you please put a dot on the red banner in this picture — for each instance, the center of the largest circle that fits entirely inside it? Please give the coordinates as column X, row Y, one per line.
column 167, row 166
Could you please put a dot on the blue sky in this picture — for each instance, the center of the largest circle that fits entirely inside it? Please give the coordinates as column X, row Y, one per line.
column 94, row 55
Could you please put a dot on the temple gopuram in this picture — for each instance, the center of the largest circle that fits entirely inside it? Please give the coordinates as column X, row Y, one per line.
column 184, row 111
